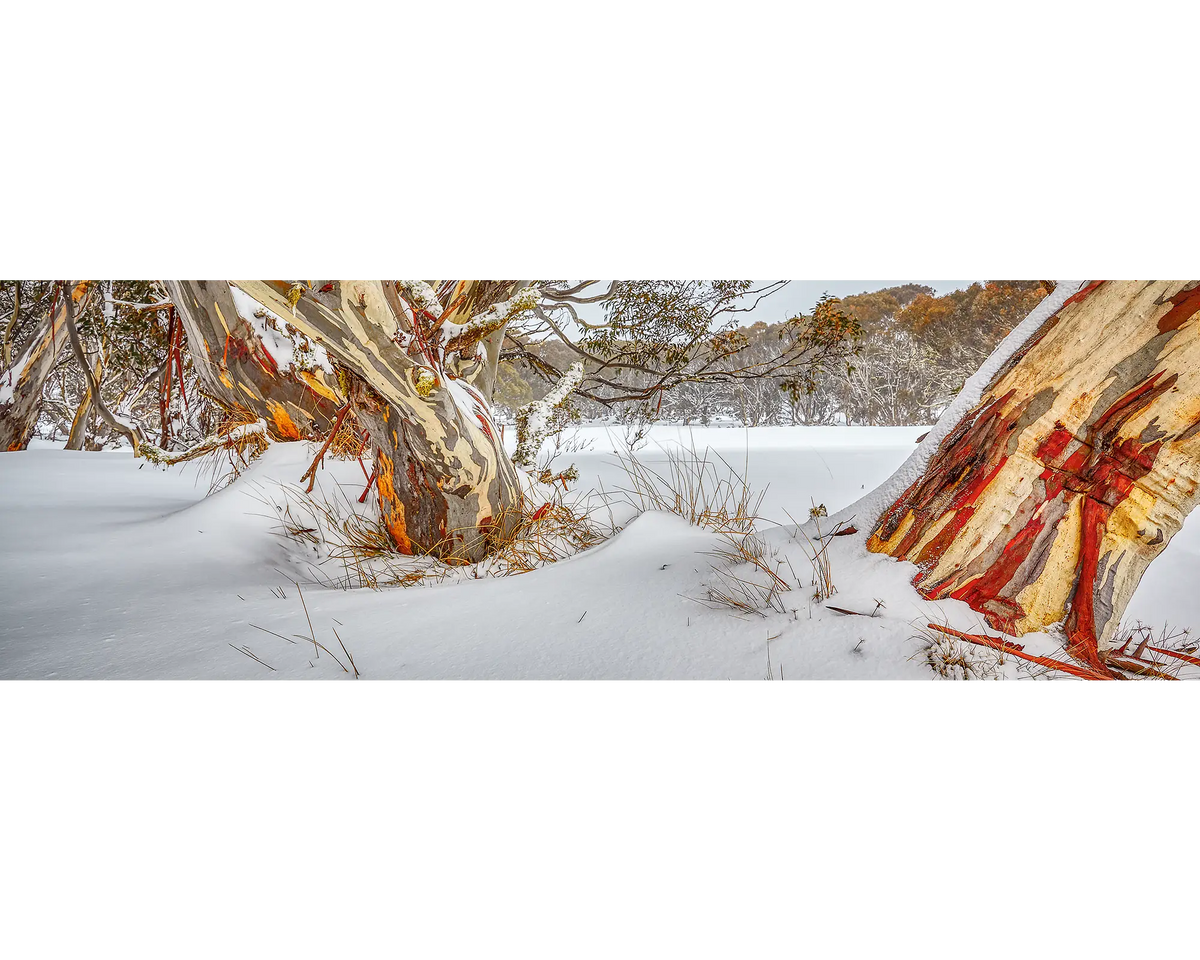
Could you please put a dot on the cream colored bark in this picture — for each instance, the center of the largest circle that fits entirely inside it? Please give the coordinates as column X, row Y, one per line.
column 21, row 384
column 445, row 484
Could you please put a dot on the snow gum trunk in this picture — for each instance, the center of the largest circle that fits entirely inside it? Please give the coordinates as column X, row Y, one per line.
column 21, row 384
column 297, row 352
column 1049, row 499
column 235, row 356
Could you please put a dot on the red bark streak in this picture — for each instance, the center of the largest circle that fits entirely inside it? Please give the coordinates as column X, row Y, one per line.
column 1081, row 624
column 266, row 361
column 1054, row 446
column 983, row 593
column 928, row 558
column 1103, row 469
column 1081, row 295
column 1185, row 306
column 964, row 453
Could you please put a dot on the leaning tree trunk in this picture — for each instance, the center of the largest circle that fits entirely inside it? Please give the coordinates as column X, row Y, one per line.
column 86, row 414
column 1048, row 500
column 417, row 372
column 21, row 384
column 238, row 357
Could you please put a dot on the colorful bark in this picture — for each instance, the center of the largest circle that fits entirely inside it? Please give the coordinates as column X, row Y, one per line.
column 237, row 368
column 442, row 477
column 444, row 482
column 21, row 384
column 1047, row 502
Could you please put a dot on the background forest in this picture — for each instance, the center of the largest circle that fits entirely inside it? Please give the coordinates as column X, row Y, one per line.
column 912, row 351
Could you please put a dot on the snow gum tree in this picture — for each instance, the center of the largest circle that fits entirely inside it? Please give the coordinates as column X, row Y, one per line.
column 1049, row 498
column 416, row 369
column 417, row 362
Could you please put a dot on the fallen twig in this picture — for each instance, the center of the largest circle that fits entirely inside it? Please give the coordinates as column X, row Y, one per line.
column 1016, row 650
column 246, row 651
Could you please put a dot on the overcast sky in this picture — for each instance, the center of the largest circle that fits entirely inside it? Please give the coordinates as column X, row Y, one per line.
column 800, row 296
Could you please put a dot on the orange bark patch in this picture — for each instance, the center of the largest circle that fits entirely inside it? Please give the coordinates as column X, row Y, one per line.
column 389, row 503
column 283, row 423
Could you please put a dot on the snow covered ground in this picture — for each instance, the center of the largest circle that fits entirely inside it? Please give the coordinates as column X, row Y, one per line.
column 111, row 569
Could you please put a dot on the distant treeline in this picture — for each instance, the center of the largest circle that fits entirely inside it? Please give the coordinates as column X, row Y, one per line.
column 913, row 355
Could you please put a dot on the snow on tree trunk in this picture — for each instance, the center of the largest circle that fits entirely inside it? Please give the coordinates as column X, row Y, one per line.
column 417, row 374
column 1080, row 461
column 242, row 359
column 21, row 384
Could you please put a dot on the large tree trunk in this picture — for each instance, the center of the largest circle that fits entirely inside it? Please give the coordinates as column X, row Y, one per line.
column 237, row 357
column 413, row 377
column 21, row 384
column 1048, row 500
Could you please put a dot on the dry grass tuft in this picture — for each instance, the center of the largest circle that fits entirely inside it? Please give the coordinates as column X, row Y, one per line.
column 704, row 489
column 818, row 552
column 544, row 534
column 347, row 548
column 761, row 588
column 343, row 547
column 953, row 659
column 348, row 443
column 700, row 487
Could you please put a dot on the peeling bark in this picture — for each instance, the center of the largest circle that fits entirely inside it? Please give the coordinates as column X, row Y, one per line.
column 21, row 384
column 236, row 367
column 1079, row 463
column 445, row 484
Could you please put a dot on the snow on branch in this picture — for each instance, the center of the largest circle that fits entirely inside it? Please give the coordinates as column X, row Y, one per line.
column 288, row 347
column 233, row 440
column 421, row 295
column 537, row 420
column 498, row 315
